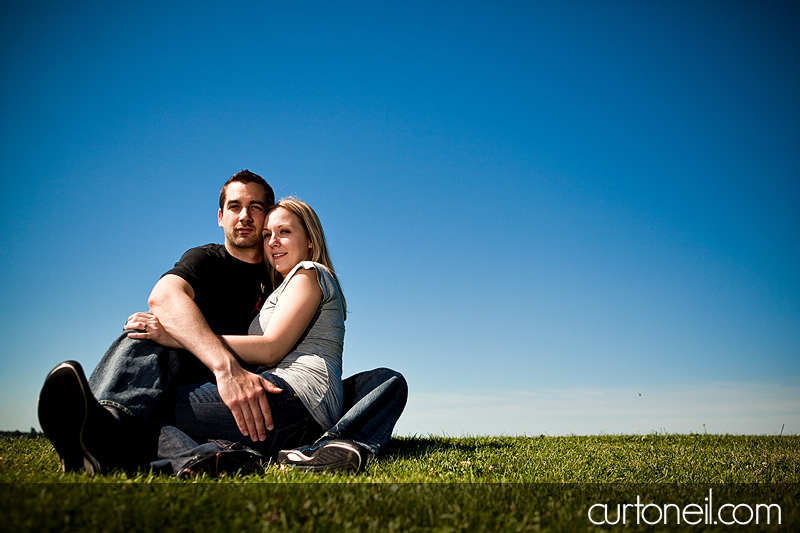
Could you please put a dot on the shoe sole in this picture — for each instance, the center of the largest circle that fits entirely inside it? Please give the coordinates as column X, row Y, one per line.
column 63, row 418
column 333, row 457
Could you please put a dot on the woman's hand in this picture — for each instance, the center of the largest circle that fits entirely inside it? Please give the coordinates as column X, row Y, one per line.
column 147, row 326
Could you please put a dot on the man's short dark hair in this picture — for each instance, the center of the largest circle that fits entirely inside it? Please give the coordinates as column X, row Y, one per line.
column 245, row 176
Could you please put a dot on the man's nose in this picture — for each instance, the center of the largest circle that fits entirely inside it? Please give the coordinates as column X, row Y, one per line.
column 244, row 214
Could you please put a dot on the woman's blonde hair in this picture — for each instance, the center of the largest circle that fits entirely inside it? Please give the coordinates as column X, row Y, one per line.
column 319, row 247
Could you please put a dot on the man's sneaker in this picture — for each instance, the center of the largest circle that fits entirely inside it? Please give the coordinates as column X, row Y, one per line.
column 72, row 418
column 334, row 455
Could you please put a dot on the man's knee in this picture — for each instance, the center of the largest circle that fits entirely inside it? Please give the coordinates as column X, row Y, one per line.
column 124, row 345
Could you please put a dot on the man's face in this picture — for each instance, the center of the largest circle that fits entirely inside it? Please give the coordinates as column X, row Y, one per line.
column 242, row 216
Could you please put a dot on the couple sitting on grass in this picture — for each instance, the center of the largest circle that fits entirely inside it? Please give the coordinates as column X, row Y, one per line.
column 224, row 372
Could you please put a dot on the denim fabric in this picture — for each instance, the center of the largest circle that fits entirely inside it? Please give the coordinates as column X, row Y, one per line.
column 148, row 382
column 175, row 449
column 139, row 377
column 136, row 376
column 201, row 415
column 373, row 402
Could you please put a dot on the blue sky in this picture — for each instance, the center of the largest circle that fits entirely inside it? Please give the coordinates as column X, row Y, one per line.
column 552, row 217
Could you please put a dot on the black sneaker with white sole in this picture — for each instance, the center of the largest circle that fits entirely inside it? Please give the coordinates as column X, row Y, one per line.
column 73, row 420
column 334, row 455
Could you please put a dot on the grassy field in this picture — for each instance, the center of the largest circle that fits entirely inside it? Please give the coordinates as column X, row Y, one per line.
column 425, row 484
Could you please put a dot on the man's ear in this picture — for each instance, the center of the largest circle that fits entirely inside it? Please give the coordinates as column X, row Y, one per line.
column 219, row 218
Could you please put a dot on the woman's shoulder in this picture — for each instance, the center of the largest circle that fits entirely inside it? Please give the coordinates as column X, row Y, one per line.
column 325, row 278
column 323, row 273
column 311, row 265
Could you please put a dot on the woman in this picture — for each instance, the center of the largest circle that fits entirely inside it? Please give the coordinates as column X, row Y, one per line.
column 296, row 343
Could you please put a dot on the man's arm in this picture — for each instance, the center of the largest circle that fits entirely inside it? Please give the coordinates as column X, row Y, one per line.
column 172, row 301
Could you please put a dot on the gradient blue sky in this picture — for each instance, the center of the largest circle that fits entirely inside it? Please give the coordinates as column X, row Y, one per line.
column 552, row 217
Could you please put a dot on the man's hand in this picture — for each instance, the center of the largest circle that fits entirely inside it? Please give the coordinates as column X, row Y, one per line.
column 245, row 395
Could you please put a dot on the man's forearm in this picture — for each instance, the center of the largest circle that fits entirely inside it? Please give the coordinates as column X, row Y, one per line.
column 192, row 331
column 172, row 301
column 182, row 319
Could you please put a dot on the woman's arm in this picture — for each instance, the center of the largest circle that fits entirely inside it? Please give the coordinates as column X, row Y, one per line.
column 295, row 309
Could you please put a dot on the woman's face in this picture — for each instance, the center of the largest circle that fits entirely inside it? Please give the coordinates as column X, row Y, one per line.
column 285, row 240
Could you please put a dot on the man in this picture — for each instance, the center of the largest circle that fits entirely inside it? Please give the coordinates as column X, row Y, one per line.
column 213, row 290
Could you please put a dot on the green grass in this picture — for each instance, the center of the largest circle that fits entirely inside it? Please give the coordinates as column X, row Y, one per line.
column 425, row 484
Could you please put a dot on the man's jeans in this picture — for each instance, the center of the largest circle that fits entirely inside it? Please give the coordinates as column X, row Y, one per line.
column 138, row 377
column 143, row 380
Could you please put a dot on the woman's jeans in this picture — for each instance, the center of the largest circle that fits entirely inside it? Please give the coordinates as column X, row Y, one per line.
column 373, row 401
column 158, row 385
column 202, row 417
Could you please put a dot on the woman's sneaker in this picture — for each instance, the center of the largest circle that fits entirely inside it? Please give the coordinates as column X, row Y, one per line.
column 335, row 455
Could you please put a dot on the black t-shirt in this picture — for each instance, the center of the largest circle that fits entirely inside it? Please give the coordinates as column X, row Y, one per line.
column 229, row 292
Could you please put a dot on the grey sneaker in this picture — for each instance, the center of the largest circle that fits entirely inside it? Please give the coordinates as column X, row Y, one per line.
column 334, row 455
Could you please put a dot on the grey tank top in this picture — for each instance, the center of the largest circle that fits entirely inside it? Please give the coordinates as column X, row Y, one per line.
column 314, row 366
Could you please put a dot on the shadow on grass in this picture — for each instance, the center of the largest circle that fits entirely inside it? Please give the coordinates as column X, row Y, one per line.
column 411, row 447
